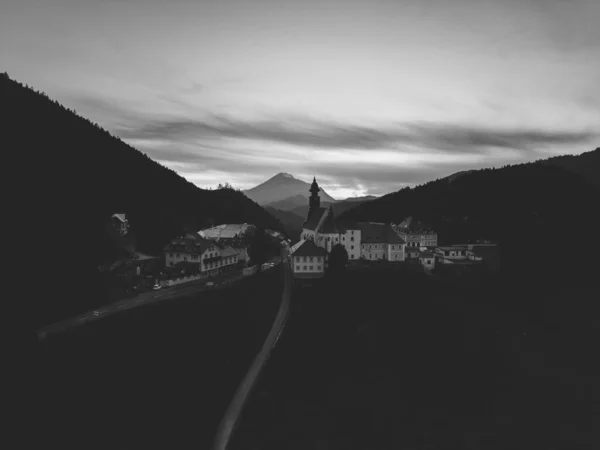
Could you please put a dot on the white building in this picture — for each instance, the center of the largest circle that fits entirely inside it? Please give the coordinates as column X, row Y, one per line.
column 210, row 256
column 416, row 233
column 230, row 234
column 380, row 242
column 372, row 241
column 427, row 259
column 308, row 260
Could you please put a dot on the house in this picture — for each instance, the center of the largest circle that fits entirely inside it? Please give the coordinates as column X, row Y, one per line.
column 412, row 252
column 486, row 252
column 308, row 260
column 416, row 233
column 450, row 254
column 379, row 241
column 230, row 235
column 120, row 223
column 427, row 259
column 210, row 256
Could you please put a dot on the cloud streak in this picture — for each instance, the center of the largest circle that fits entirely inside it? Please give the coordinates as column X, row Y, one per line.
column 318, row 134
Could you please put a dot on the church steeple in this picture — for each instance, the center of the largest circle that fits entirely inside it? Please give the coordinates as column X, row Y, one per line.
column 314, row 201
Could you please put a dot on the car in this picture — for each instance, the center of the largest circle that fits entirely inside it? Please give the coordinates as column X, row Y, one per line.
column 156, row 287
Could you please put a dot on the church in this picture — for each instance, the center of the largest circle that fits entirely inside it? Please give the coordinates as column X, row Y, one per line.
column 369, row 240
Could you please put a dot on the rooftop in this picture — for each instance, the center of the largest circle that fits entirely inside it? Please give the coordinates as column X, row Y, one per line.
column 314, row 219
column 225, row 231
column 189, row 244
column 375, row 232
column 308, row 248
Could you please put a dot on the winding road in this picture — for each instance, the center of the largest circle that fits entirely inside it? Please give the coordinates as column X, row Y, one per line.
column 145, row 298
column 228, row 422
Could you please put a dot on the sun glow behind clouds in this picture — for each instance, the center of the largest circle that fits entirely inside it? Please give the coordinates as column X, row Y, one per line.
column 507, row 64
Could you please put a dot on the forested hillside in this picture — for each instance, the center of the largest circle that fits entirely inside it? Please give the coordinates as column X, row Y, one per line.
column 71, row 176
column 543, row 215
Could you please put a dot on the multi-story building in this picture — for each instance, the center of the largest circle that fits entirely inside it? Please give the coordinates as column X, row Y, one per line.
column 308, row 260
column 380, row 242
column 230, row 234
column 416, row 233
column 210, row 256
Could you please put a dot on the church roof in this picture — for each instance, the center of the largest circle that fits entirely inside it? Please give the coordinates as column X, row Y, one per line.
column 314, row 218
column 308, row 248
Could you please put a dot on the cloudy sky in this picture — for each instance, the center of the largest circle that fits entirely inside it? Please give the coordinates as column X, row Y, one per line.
column 369, row 96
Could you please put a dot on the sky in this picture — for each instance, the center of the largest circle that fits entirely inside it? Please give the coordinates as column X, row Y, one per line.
column 368, row 96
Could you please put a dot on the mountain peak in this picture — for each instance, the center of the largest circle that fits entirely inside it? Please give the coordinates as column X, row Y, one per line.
column 281, row 187
column 284, row 175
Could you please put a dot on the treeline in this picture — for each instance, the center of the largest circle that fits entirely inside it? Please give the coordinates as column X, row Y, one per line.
column 70, row 176
column 542, row 215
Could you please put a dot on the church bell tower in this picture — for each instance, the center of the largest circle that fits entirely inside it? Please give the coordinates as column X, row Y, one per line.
column 314, row 201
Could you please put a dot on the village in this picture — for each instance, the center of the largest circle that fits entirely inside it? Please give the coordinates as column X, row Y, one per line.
column 220, row 254
column 214, row 256
column 368, row 243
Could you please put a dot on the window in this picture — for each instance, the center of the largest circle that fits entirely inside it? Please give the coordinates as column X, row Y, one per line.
column 311, row 268
column 352, row 238
column 178, row 255
column 352, row 247
column 297, row 267
column 310, row 258
column 319, row 268
column 171, row 255
column 352, row 256
column 304, row 268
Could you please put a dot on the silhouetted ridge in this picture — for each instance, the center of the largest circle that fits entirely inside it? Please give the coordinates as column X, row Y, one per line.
column 74, row 175
column 544, row 215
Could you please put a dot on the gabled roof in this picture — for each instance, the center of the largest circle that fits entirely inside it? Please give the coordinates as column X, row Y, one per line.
column 378, row 233
column 120, row 217
column 314, row 219
column 426, row 255
column 225, row 231
column 189, row 244
column 308, row 248
column 412, row 250
column 228, row 251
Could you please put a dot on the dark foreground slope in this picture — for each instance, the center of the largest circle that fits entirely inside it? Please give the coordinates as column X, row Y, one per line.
column 69, row 176
column 542, row 215
column 159, row 376
column 393, row 360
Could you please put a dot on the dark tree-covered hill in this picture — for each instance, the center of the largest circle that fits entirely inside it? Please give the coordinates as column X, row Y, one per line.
column 71, row 176
column 544, row 215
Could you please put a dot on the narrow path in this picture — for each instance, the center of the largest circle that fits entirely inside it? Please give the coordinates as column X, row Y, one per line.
column 232, row 414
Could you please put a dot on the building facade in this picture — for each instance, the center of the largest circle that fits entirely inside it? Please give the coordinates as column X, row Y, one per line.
column 416, row 233
column 308, row 260
column 373, row 241
column 209, row 255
